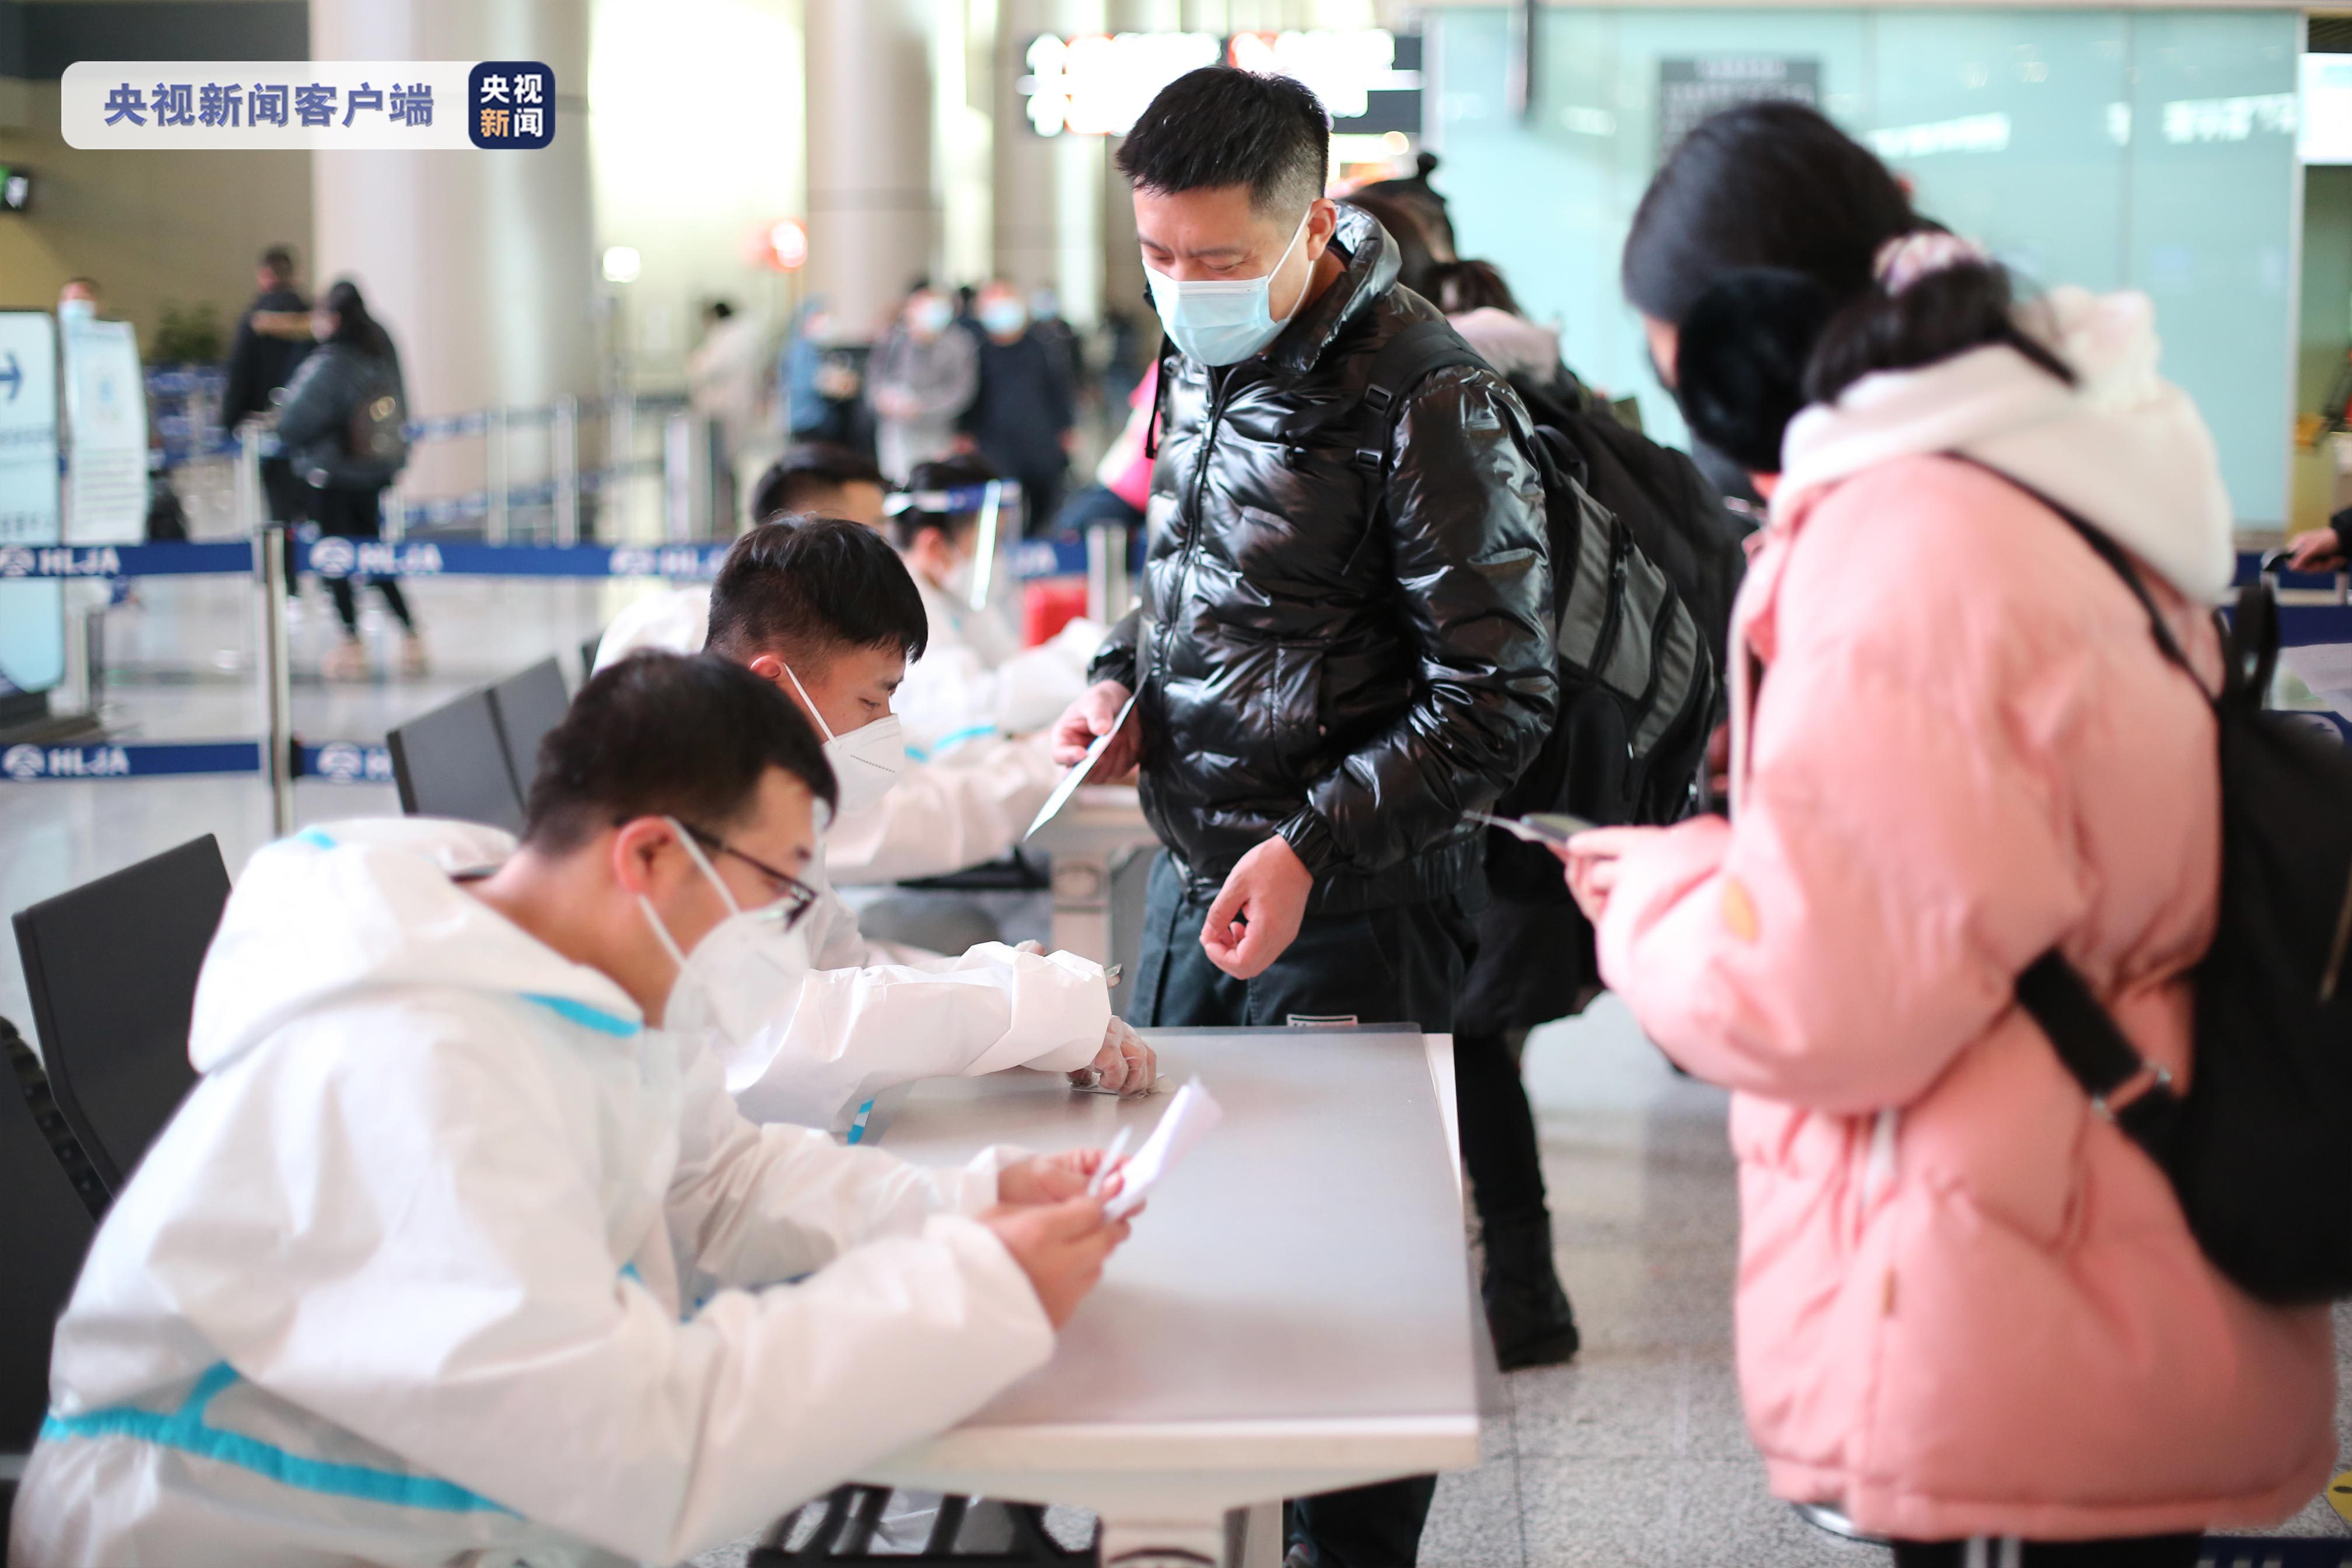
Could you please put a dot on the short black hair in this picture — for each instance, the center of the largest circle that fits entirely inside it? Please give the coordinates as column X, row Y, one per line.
column 279, row 260
column 662, row 734
column 956, row 473
column 815, row 586
column 1218, row 126
column 806, row 473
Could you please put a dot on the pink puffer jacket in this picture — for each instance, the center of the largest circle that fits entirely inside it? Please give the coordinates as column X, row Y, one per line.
column 1967, row 1305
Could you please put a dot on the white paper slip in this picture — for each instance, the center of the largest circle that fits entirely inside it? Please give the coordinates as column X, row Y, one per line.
column 1079, row 772
column 1187, row 1120
column 1537, row 827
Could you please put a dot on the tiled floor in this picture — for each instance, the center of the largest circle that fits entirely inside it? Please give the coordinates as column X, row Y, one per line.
column 1633, row 1458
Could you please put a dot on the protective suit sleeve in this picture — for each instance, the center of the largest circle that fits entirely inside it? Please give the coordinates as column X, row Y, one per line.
column 941, row 816
column 750, row 1204
column 849, row 1033
column 452, row 1295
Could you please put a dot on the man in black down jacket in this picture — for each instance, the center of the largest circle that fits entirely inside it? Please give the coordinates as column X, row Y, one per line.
column 1339, row 652
column 272, row 337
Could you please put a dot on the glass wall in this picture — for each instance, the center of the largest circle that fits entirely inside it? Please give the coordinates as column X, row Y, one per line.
column 2111, row 149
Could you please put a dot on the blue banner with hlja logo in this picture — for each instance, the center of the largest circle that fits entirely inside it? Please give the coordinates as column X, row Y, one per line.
column 511, row 104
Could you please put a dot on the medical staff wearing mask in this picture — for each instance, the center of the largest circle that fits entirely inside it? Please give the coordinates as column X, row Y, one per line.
column 823, row 609
column 456, row 1253
column 975, row 683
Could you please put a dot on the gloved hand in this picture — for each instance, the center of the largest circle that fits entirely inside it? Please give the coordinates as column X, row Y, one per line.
column 1125, row 1065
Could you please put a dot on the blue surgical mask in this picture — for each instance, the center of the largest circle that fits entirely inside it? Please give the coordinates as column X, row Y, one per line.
column 1004, row 319
column 77, row 311
column 932, row 317
column 1221, row 321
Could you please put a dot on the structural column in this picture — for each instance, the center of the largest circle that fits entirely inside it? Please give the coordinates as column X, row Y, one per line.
column 1049, row 189
column 481, row 265
column 874, row 221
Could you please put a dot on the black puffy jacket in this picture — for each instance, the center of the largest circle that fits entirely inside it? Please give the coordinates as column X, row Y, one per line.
column 1345, row 652
column 314, row 423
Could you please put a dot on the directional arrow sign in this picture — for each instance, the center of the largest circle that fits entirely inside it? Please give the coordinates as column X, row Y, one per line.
column 13, row 375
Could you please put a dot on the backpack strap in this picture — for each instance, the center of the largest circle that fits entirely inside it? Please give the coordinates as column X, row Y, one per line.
column 2101, row 1057
column 2081, row 1030
column 1398, row 366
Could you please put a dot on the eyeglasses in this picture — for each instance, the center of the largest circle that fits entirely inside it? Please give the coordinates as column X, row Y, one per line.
column 794, row 895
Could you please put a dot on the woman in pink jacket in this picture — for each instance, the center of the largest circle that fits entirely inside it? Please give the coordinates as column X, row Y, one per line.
column 1968, row 1306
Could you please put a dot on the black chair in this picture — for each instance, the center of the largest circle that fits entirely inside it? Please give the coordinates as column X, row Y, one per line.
column 529, row 704
column 45, row 1229
column 452, row 762
column 112, row 967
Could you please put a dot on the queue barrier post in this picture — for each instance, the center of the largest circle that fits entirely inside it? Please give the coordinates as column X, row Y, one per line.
column 276, row 678
column 564, row 442
column 677, row 476
column 494, row 461
column 1107, row 590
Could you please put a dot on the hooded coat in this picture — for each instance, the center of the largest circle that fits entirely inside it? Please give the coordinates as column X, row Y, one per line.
column 447, row 1253
column 1967, row 1305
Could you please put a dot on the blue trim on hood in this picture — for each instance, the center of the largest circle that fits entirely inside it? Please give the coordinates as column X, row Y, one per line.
column 577, row 1011
column 315, row 837
column 187, row 1431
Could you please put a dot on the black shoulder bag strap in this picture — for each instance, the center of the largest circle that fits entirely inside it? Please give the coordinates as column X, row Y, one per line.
column 2100, row 1056
column 1400, row 366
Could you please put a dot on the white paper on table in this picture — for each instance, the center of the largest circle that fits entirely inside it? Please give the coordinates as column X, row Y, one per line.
column 1188, row 1120
column 2327, row 669
column 1079, row 772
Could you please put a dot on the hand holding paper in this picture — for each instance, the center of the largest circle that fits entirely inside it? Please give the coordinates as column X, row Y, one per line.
column 1080, row 770
column 1188, row 1120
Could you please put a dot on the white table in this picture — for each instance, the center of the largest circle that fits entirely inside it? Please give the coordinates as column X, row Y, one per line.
column 1291, row 1316
column 1090, row 839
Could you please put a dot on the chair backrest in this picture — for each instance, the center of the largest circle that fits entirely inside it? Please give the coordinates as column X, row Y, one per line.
column 112, row 967
column 452, row 762
column 529, row 703
column 45, row 1229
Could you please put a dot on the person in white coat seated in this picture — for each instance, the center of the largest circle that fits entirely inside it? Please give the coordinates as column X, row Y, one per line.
column 975, row 683
column 814, row 479
column 458, row 1251
column 823, row 609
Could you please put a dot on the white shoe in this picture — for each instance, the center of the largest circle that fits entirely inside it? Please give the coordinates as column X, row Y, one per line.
column 347, row 660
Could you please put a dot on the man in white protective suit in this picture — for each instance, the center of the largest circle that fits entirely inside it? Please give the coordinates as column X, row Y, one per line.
column 824, row 610
column 458, row 1251
column 975, row 683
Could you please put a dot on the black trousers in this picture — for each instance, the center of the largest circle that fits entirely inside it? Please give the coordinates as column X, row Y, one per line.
column 1377, row 966
column 1499, row 1149
column 2132, row 1551
column 356, row 514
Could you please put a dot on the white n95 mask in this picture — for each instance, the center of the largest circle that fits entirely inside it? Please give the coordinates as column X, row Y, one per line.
column 743, row 970
column 866, row 762
column 1221, row 321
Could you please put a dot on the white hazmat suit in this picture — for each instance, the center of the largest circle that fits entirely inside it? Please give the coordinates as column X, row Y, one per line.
column 867, row 1017
column 446, row 1255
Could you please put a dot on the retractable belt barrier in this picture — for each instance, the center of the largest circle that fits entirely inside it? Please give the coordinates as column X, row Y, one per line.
column 352, row 762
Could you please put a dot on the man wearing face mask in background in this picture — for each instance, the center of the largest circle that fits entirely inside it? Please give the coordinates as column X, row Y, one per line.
column 457, row 1251
column 1345, row 642
column 921, row 379
column 1020, row 419
column 824, row 610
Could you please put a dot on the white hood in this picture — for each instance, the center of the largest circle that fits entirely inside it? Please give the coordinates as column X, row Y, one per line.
column 2123, row 447
column 369, row 906
column 1512, row 344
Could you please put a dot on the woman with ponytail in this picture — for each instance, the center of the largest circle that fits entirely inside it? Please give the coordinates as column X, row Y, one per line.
column 1968, row 1306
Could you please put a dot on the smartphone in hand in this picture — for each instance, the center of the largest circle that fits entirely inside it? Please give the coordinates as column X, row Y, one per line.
column 1545, row 827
